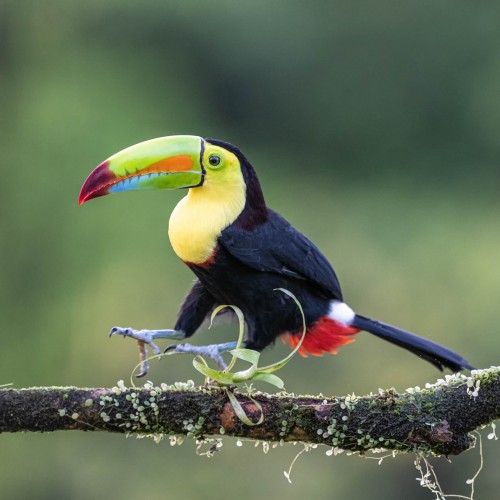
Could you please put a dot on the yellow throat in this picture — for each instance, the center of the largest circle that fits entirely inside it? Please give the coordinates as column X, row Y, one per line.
column 201, row 216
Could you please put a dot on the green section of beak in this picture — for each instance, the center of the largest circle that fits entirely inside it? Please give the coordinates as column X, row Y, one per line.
column 165, row 163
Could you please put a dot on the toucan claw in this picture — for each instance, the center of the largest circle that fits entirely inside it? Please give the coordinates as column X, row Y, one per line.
column 144, row 339
column 212, row 351
column 144, row 336
column 143, row 356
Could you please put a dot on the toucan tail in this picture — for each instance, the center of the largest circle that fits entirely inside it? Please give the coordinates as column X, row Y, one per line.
column 434, row 353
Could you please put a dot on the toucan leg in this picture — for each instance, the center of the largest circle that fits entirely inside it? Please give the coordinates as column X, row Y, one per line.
column 213, row 351
column 145, row 338
column 148, row 336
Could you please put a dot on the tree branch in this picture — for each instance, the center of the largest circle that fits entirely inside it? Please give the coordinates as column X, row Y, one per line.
column 438, row 418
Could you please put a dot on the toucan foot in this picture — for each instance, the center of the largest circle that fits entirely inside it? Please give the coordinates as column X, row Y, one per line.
column 213, row 351
column 145, row 338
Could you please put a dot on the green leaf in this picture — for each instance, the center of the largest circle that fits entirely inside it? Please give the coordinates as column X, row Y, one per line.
column 246, row 355
column 245, row 375
column 280, row 364
column 276, row 366
column 240, row 412
column 221, row 377
column 241, row 320
column 269, row 378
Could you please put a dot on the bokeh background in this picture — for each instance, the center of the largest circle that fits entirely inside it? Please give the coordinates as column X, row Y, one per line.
column 374, row 127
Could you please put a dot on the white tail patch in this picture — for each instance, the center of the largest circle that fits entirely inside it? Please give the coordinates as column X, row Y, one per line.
column 341, row 312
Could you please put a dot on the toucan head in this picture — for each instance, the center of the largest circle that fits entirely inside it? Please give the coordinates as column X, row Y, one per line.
column 173, row 162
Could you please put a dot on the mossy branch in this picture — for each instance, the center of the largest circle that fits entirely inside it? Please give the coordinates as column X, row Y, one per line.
column 438, row 418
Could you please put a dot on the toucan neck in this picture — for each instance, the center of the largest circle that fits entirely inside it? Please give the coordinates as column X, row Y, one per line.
column 255, row 211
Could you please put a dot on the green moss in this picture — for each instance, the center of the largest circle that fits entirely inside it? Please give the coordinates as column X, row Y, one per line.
column 427, row 407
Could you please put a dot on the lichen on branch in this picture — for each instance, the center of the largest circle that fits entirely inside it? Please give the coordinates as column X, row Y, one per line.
column 438, row 418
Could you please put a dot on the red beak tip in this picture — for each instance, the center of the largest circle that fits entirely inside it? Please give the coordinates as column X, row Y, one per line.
column 97, row 183
column 82, row 198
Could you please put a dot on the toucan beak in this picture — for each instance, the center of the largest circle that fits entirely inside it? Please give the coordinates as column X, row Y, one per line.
column 171, row 162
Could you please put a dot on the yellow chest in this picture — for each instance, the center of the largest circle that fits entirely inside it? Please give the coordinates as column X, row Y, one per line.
column 200, row 217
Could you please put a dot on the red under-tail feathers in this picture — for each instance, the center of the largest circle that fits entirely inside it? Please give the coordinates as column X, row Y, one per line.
column 326, row 335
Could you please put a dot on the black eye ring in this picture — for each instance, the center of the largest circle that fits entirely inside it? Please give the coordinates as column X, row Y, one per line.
column 214, row 160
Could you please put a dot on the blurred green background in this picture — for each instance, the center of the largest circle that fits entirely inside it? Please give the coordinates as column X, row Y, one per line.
column 374, row 127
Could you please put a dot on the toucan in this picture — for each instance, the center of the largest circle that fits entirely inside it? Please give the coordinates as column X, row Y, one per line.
column 242, row 253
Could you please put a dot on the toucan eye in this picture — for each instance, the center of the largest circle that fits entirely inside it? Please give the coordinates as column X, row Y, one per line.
column 214, row 160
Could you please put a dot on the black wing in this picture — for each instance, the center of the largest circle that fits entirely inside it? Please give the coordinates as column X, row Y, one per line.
column 276, row 246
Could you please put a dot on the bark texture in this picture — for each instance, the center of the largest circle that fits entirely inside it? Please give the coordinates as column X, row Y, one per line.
column 438, row 418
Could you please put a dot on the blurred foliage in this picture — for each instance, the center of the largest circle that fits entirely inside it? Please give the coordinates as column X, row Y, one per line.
column 374, row 127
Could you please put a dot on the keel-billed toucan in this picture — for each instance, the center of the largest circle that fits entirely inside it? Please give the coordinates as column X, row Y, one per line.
column 241, row 252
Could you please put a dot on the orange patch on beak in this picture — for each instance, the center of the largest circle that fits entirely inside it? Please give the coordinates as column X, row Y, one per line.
column 181, row 163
